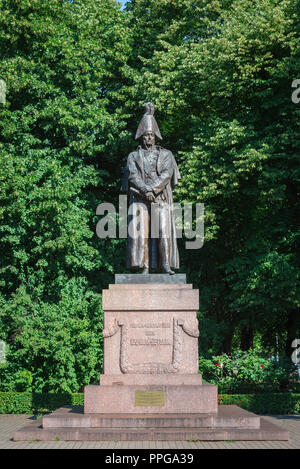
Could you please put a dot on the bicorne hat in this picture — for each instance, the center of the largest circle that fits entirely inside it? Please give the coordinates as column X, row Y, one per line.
column 148, row 123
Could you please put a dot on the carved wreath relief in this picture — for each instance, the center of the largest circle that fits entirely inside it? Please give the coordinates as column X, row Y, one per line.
column 179, row 326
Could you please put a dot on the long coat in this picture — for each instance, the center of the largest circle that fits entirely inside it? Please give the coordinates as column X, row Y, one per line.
column 141, row 247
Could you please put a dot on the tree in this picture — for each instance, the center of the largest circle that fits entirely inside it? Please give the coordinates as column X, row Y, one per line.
column 224, row 75
column 61, row 131
column 220, row 76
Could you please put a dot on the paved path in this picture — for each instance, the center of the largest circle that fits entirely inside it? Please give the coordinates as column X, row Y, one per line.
column 10, row 423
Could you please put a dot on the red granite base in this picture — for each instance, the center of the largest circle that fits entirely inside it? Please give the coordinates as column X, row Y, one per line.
column 114, row 399
column 230, row 423
column 151, row 389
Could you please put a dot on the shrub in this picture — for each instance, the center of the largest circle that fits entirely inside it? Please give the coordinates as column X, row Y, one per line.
column 53, row 348
column 28, row 403
column 264, row 403
column 248, row 372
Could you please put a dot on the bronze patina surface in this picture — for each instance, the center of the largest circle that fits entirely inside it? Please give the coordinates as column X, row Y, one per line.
column 150, row 176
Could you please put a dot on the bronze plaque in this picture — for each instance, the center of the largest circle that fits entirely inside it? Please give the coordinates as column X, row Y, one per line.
column 149, row 398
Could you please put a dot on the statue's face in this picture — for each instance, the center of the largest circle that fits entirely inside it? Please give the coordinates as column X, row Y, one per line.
column 149, row 139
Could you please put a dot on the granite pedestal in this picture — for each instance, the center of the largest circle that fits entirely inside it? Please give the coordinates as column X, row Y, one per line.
column 151, row 388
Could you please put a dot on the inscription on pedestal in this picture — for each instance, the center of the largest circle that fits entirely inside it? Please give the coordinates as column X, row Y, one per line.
column 145, row 336
column 150, row 342
column 143, row 325
column 148, row 347
column 149, row 398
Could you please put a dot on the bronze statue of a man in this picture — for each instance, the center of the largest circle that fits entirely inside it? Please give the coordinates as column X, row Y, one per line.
column 150, row 176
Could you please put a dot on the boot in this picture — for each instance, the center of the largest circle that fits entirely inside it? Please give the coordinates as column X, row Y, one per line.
column 167, row 270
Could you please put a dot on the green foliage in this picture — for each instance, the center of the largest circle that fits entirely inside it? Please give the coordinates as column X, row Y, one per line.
column 61, row 132
column 23, row 380
column 59, row 345
column 247, row 371
column 28, row 403
column 264, row 403
column 219, row 74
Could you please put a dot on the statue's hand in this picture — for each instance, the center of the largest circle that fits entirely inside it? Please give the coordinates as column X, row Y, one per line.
column 149, row 196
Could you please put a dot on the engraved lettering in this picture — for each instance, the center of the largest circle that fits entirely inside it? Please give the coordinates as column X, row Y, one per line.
column 153, row 367
column 161, row 325
column 150, row 342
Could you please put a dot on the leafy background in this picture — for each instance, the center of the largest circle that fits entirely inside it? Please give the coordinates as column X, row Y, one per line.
column 77, row 76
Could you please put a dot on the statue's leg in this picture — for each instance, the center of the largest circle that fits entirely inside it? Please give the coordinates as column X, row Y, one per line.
column 137, row 244
column 164, row 239
column 146, row 243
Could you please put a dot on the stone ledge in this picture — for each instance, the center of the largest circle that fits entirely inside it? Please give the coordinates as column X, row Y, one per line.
column 150, row 278
column 150, row 299
column 150, row 286
column 229, row 416
column 138, row 379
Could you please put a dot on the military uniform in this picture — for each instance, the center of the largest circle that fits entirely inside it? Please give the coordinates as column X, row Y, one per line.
column 151, row 171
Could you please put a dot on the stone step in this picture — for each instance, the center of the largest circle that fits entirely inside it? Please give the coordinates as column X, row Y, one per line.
column 267, row 431
column 149, row 279
column 228, row 416
column 152, row 380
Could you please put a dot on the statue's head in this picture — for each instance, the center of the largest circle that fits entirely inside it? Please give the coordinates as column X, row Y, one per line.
column 148, row 127
column 149, row 138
